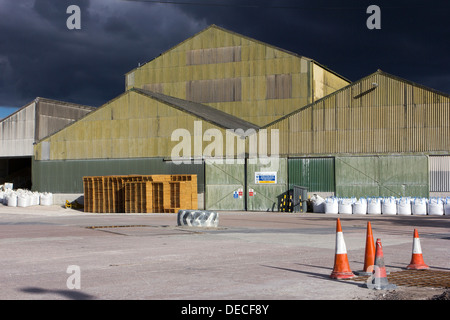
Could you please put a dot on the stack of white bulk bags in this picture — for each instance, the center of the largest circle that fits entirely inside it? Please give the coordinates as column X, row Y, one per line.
column 25, row 198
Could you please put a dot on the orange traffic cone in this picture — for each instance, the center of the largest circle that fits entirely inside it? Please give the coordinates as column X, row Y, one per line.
column 341, row 268
column 417, row 262
column 379, row 279
column 369, row 258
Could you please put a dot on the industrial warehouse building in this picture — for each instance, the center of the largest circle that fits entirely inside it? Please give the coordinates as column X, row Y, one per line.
column 379, row 136
column 26, row 126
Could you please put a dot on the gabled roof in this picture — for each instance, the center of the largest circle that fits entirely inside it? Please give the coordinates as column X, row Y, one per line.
column 213, row 26
column 207, row 113
column 378, row 72
column 204, row 112
column 50, row 101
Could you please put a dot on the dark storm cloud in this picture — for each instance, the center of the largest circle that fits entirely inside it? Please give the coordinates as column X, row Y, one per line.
column 413, row 42
column 51, row 10
column 39, row 56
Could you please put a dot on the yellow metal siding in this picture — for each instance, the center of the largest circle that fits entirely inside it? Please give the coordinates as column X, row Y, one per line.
column 379, row 114
column 131, row 126
column 216, row 54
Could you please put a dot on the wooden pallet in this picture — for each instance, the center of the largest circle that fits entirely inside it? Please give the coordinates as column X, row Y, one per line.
column 140, row 193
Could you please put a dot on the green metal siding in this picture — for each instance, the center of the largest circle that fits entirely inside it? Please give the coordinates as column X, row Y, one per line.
column 316, row 174
column 266, row 196
column 66, row 176
column 382, row 176
column 222, row 181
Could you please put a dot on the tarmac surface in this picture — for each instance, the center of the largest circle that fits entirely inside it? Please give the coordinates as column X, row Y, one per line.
column 250, row 256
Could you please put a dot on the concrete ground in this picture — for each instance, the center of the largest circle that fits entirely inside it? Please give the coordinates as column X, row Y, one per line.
column 251, row 256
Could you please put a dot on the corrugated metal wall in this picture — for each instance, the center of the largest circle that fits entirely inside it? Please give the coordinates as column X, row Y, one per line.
column 17, row 133
column 67, row 176
column 377, row 115
column 222, row 181
column 382, row 176
column 35, row 121
column 439, row 167
column 52, row 116
column 131, row 126
column 238, row 75
column 316, row 174
column 265, row 196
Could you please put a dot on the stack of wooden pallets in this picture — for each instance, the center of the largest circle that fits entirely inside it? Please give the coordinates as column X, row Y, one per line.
column 140, row 193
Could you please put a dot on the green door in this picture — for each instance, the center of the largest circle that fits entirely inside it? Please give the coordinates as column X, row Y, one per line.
column 316, row 174
column 265, row 185
column 224, row 186
column 382, row 176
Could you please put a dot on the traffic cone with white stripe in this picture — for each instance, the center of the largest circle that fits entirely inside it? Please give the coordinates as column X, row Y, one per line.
column 417, row 262
column 341, row 268
column 379, row 278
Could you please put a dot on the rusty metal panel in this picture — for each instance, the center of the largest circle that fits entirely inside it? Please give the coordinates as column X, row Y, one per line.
column 217, row 90
column 213, row 55
column 279, row 86
column 154, row 87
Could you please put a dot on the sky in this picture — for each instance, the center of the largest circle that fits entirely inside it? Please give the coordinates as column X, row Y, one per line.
column 41, row 57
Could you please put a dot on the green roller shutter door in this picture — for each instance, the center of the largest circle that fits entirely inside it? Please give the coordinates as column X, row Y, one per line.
column 316, row 174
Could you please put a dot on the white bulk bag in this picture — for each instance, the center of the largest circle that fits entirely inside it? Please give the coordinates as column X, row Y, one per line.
column 2, row 196
column 359, row 206
column 318, row 204
column 389, row 206
column 11, row 200
column 374, row 206
column 5, row 197
column 419, row 206
column 345, row 205
column 435, row 207
column 46, row 199
column 404, row 206
column 23, row 200
column 447, row 206
column 34, row 199
column 331, row 205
